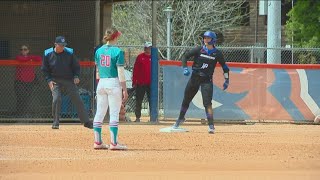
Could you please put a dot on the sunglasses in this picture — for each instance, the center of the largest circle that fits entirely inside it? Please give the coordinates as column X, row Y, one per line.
column 24, row 49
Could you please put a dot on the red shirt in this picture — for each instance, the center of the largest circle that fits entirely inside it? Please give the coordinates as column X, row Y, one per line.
column 26, row 73
column 142, row 70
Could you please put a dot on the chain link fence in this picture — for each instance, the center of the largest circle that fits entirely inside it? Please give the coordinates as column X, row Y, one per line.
column 251, row 54
column 39, row 22
column 231, row 54
column 33, row 100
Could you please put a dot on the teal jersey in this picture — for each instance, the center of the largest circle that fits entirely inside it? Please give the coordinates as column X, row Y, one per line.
column 107, row 59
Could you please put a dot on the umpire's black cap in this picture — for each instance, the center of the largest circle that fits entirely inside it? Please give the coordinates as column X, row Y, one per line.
column 61, row 40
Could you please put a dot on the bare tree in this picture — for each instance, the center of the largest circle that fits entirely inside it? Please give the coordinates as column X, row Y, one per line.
column 191, row 19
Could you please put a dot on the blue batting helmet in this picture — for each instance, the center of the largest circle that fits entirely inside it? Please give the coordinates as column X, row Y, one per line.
column 212, row 35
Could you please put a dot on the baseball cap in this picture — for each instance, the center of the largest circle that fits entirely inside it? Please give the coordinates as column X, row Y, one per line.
column 61, row 40
column 147, row 44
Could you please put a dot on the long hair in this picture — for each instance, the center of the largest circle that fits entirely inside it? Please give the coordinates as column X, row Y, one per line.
column 110, row 34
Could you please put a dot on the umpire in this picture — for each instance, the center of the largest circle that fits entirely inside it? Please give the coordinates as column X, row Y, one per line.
column 62, row 69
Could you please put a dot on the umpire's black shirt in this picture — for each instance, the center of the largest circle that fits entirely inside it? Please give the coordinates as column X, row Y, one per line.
column 60, row 65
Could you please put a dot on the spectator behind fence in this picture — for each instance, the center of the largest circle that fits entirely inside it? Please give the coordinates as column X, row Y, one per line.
column 62, row 69
column 25, row 78
column 141, row 78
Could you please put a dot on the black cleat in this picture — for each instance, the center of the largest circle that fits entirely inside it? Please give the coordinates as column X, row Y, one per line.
column 88, row 124
column 55, row 126
column 211, row 129
column 137, row 120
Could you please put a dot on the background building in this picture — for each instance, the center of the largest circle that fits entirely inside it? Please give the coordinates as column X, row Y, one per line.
column 36, row 23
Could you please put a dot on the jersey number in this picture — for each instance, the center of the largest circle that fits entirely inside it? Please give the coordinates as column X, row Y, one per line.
column 204, row 66
column 105, row 61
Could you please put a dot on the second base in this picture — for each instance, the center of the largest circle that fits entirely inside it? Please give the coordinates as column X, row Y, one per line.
column 170, row 129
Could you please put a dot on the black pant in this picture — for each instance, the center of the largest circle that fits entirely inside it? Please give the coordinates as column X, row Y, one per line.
column 23, row 92
column 141, row 90
column 194, row 83
column 73, row 92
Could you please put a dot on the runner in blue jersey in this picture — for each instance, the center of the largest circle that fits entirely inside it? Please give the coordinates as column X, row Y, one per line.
column 205, row 59
column 111, row 90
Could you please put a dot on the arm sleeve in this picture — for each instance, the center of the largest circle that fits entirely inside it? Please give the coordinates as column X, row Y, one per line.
column 224, row 66
column 122, row 77
column 187, row 56
column 46, row 69
column 75, row 66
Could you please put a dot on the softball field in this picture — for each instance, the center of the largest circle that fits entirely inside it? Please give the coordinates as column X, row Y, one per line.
column 258, row 151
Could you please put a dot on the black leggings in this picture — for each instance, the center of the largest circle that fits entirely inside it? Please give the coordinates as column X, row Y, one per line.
column 141, row 90
column 23, row 92
column 194, row 83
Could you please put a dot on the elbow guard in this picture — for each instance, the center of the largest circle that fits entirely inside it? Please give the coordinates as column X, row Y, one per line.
column 121, row 75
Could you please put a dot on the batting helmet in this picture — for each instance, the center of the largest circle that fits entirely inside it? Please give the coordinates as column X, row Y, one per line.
column 212, row 35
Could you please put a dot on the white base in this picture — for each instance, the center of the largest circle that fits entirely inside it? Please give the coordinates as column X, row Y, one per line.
column 170, row 130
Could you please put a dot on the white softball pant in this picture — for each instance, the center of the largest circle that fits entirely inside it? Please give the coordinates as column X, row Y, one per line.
column 109, row 95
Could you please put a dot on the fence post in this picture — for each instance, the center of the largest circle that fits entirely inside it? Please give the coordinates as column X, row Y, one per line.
column 292, row 55
column 251, row 54
column 154, row 85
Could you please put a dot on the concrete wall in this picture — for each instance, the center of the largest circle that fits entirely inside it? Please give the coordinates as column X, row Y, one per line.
column 256, row 32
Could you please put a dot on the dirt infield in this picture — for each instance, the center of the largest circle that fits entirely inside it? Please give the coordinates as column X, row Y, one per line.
column 260, row 151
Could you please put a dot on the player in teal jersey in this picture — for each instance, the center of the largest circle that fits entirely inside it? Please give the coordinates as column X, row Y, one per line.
column 111, row 90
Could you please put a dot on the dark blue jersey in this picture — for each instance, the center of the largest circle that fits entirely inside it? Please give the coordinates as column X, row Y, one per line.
column 60, row 65
column 204, row 61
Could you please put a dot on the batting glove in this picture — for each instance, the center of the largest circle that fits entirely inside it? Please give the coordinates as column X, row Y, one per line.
column 186, row 71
